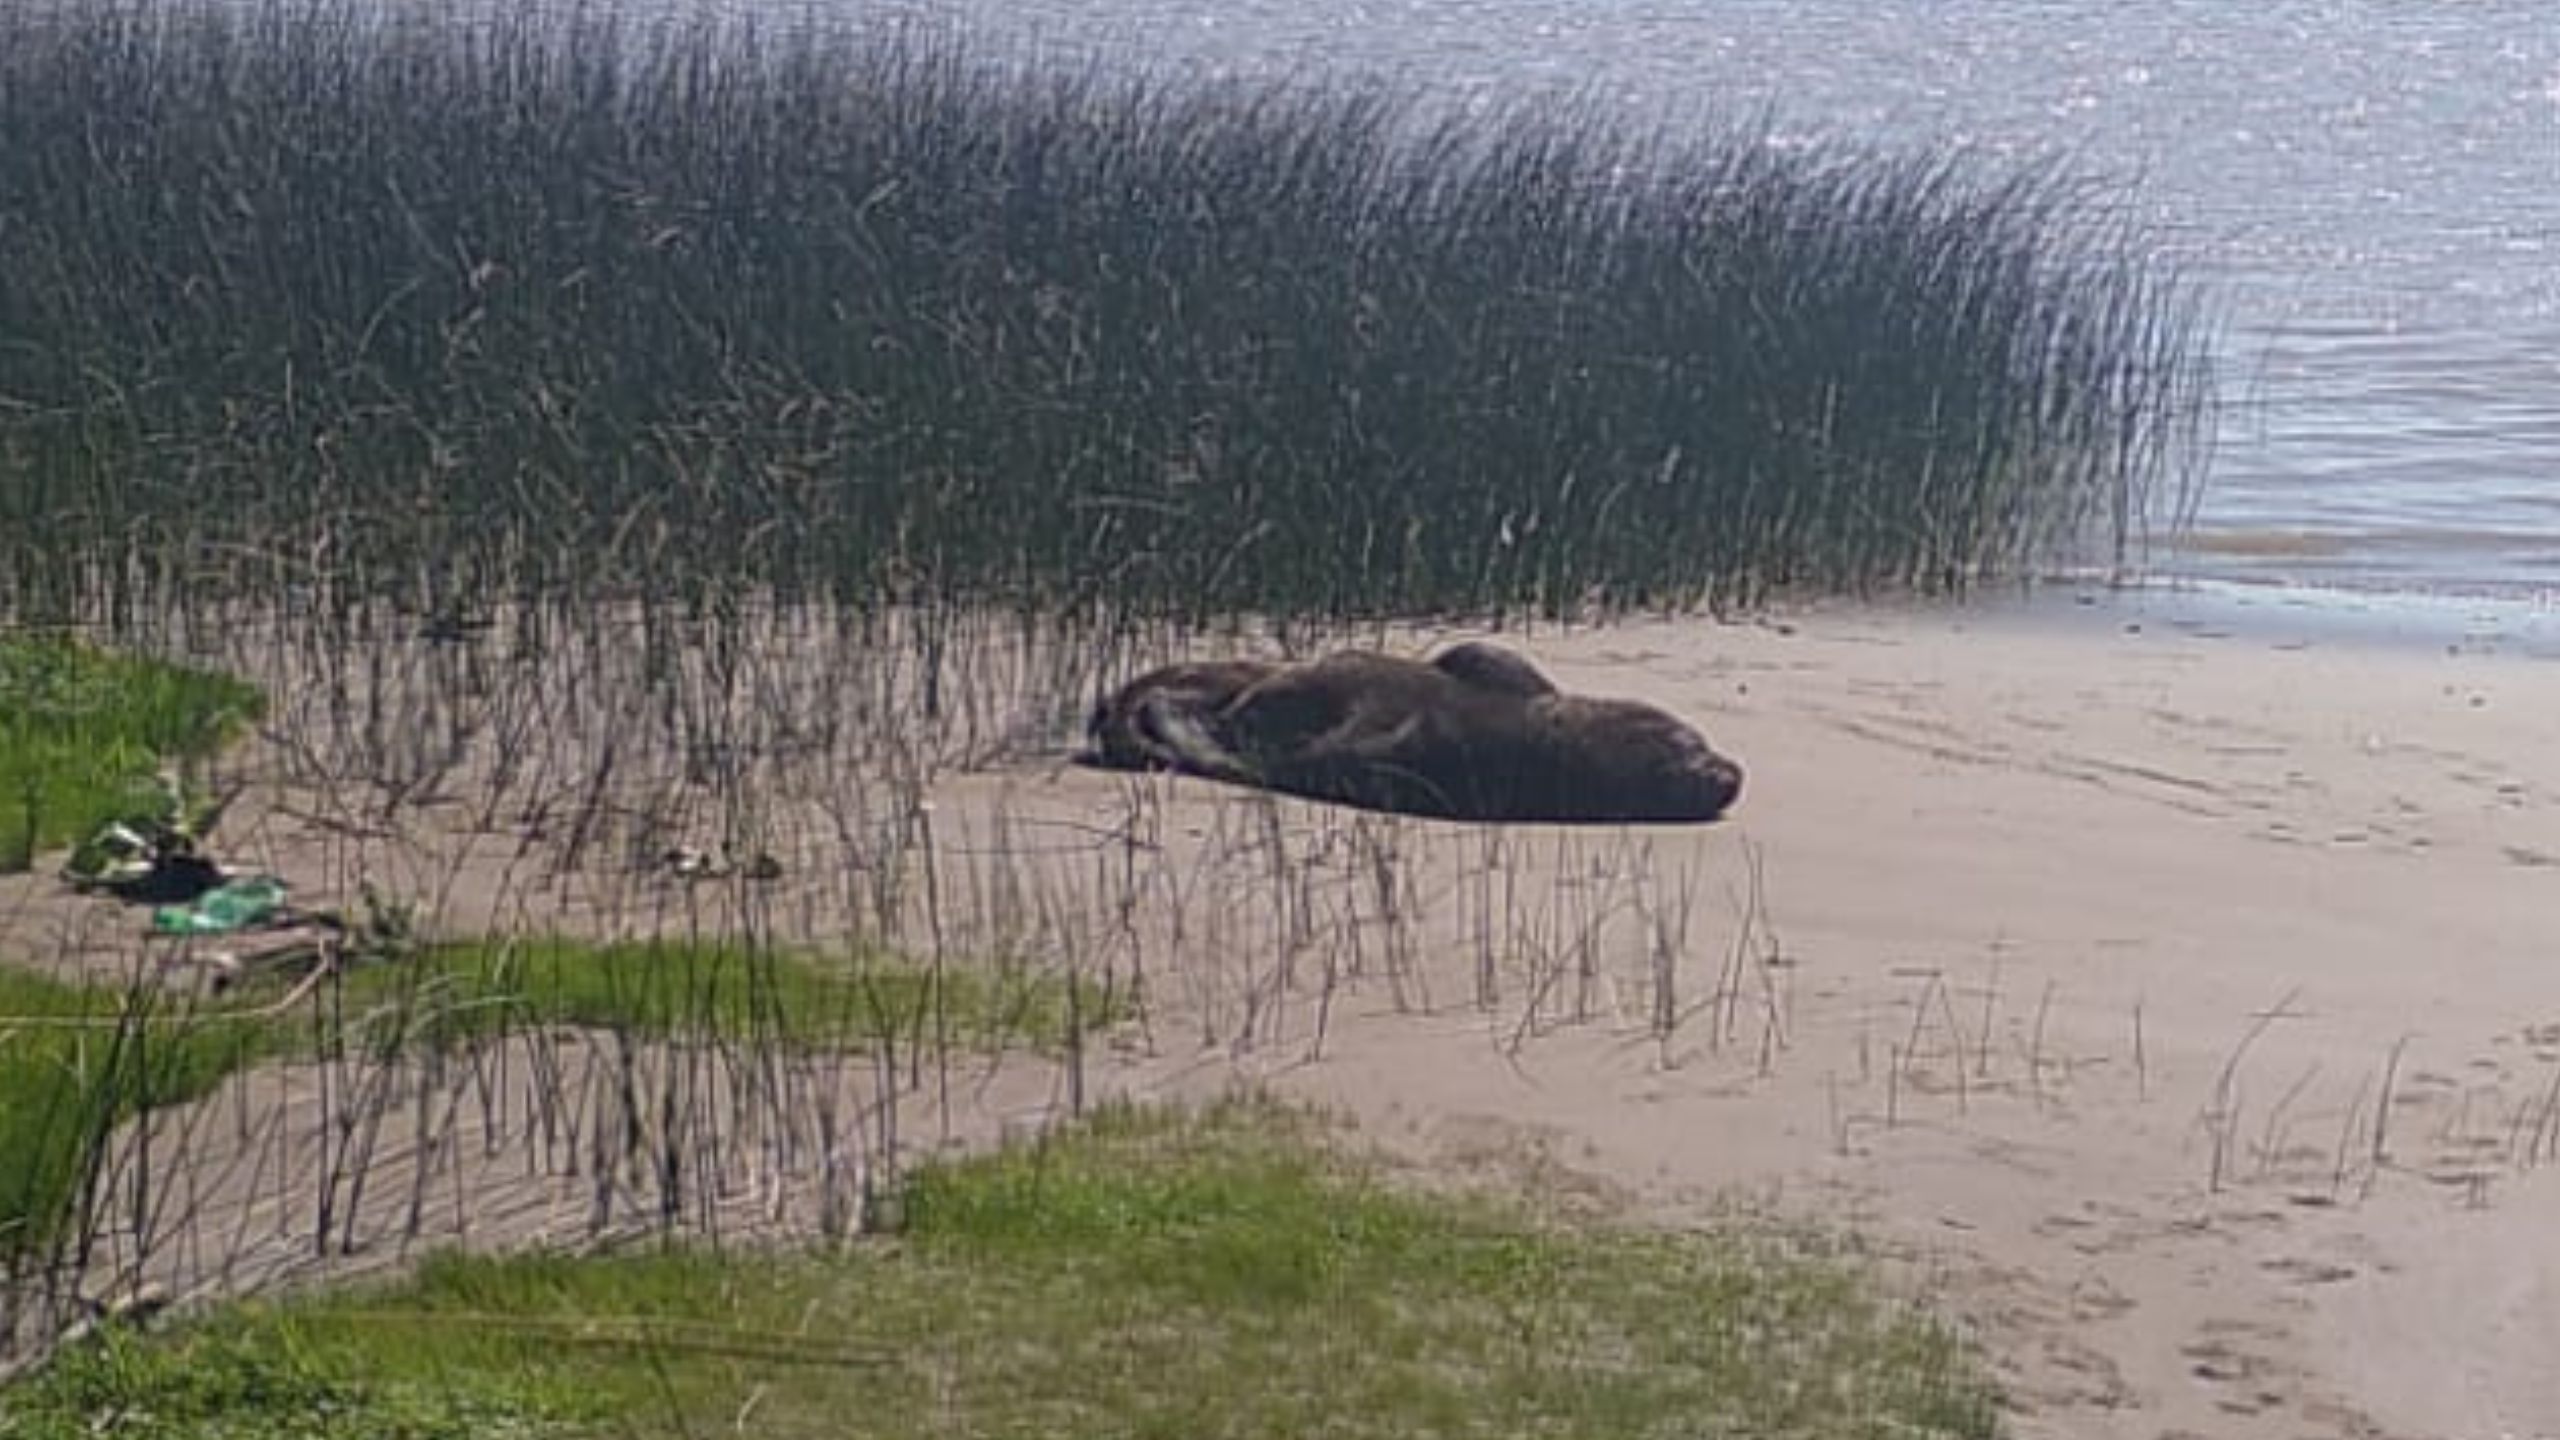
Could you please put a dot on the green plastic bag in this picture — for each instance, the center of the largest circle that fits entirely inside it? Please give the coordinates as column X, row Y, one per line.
column 235, row 905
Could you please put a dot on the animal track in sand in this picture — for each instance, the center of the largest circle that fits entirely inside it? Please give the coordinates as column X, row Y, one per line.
column 2262, row 739
column 1943, row 741
column 2146, row 782
column 2233, row 1357
column 2077, row 1374
column 2044, row 1366
column 2302, row 1270
column 2092, row 1298
column 1934, row 739
column 1647, row 657
column 2228, row 1356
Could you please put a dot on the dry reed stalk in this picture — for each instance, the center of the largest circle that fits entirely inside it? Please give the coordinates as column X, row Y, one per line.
column 2222, row 1115
column 2379, row 1156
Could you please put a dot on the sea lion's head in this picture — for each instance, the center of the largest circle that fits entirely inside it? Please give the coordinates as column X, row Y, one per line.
column 1624, row 760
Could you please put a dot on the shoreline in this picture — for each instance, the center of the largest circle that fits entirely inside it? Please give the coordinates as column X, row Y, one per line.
column 2291, row 613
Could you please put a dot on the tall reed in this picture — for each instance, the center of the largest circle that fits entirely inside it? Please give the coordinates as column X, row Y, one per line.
column 313, row 298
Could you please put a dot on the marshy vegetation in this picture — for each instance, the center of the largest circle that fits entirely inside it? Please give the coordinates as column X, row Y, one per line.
column 327, row 301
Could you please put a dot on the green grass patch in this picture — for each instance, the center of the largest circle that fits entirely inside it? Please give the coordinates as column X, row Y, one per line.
column 1148, row 1274
column 76, row 1060
column 677, row 989
column 84, row 731
column 241, row 1386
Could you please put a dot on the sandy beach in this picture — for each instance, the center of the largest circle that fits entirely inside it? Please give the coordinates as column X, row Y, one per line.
column 2169, row 992
column 2108, row 932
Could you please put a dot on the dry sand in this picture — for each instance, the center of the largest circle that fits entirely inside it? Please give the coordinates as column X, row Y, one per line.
column 2170, row 879
column 2090, row 944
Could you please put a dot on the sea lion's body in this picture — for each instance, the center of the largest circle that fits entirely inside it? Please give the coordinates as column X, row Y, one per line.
column 1476, row 734
column 1491, row 667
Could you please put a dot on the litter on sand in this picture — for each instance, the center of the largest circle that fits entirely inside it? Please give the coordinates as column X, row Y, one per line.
column 232, row 905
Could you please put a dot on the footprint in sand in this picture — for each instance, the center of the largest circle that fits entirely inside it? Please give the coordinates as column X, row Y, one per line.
column 2250, row 1382
column 2092, row 1298
column 2542, row 1040
column 2073, row 1376
column 2302, row 1270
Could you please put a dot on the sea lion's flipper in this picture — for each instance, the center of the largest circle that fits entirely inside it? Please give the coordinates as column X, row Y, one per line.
column 1178, row 734
column 1116, row 737
column 1358, row 740
column 1289, row 714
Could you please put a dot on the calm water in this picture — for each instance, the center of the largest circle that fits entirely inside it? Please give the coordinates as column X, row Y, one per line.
column 2372, row 186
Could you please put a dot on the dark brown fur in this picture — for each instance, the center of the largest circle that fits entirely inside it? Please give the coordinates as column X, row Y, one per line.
column 1491, row 667
column 1114, row 740
column 1477, row 734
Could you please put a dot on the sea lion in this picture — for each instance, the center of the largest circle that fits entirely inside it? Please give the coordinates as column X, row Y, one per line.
column 1484, row 738
column 1114, row 740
